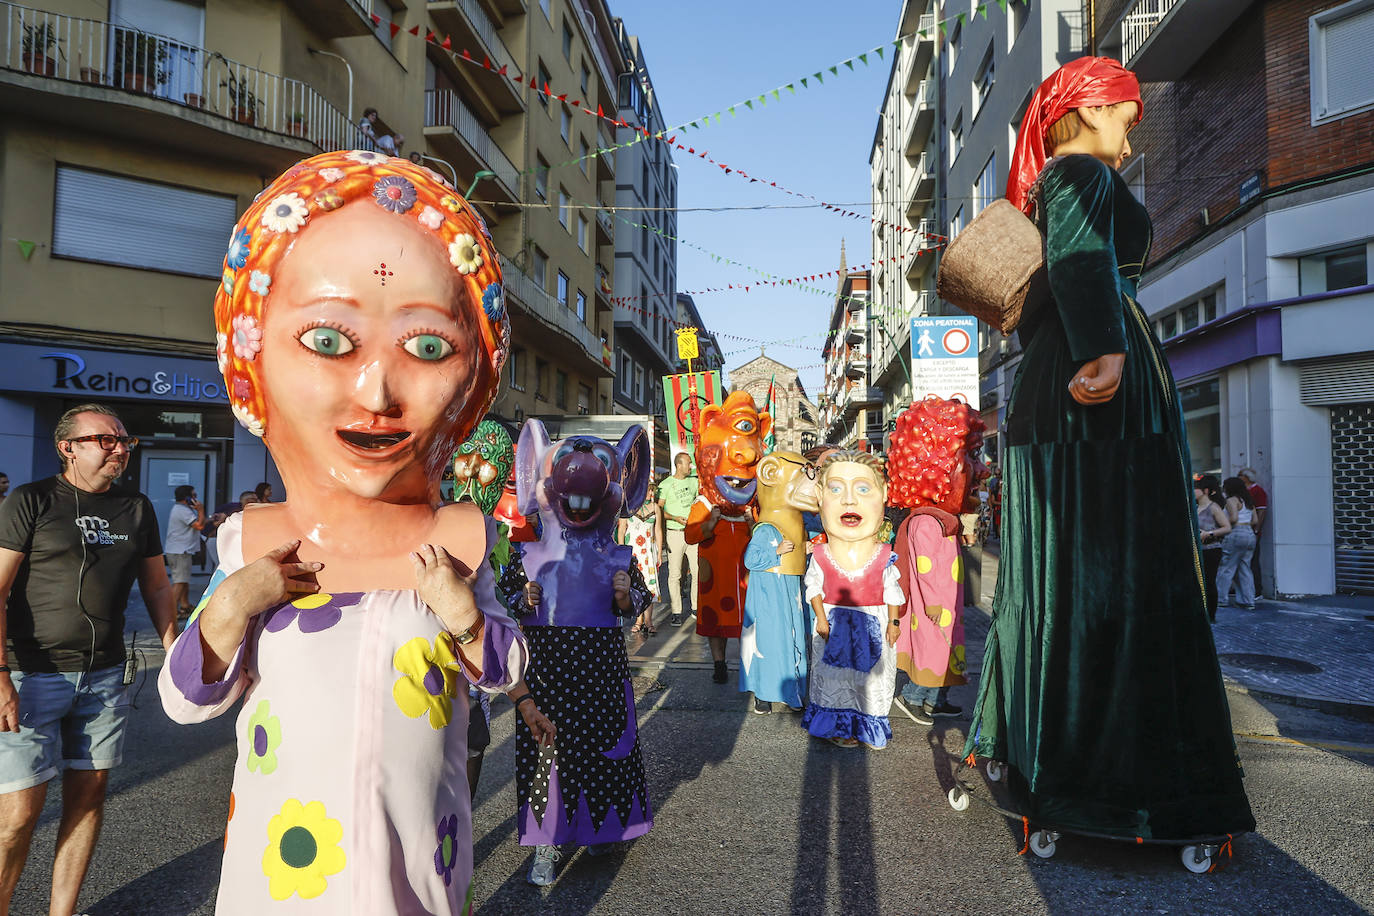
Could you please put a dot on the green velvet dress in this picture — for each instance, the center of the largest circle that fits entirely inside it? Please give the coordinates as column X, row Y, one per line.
column 1100, row 684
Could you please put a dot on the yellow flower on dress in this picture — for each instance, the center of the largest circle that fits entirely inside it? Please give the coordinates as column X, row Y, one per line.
column 430, row 680
column 302, row 850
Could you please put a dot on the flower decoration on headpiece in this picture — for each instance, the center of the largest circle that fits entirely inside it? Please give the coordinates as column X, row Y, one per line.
column 932, row 458
column 310, row 191
column 1083, row 83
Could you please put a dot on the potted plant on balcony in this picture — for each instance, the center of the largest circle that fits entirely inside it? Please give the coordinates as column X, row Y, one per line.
column 140, row 57
column 244, row 101
column 38, row 40
column 298, row 124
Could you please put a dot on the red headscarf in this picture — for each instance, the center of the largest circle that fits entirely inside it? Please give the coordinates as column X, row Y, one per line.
column 1083, row 83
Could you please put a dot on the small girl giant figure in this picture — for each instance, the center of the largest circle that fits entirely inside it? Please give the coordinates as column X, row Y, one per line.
column 854, row 589
column 362, row 331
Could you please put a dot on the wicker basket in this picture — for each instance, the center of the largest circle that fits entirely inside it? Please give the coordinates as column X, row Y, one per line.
column 995, row 268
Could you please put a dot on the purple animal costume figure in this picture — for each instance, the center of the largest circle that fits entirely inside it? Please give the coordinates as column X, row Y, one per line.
column 589, row 788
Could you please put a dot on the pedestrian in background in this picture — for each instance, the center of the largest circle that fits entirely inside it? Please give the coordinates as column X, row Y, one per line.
column 4, row 485
column 1213, row 524
column 1260, row 498
column 675, row 497
column 643, row 534
column 71, row 547
column 1237, row 547
column 184, row 526
column 263, row 491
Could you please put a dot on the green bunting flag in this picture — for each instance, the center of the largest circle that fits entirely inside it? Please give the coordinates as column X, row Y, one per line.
column 732, row 111
column 849, row 63
column 775, row 95
column 983, row 8
column 820, row 79
column 880, row 49
column 864, row 58
column 763, row 100
column 803, row 82
column 26, row 247
column 835, row 70
column 749, row 103
column 792, row 89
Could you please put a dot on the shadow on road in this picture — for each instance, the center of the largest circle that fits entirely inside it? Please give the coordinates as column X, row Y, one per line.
column 835, row 814
column 178, row 886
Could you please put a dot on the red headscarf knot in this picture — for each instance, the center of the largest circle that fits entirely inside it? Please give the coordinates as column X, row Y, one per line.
column 1083, row 83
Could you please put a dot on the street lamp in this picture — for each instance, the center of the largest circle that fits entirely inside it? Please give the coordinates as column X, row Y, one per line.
column 481, row 173
column 349, row 67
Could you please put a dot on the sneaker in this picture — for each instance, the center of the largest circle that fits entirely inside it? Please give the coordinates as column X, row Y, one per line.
column 944, row 710
column 720, row 676
column 762, row 707
column 541, row 872
column 675, row 620
column 919, row 714
column 796, row 709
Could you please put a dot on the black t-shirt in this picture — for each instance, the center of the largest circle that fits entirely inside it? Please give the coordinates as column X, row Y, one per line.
column 78, row 546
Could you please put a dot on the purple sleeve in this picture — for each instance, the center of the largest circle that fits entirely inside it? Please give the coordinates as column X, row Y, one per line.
column 504, row 656
column 185, row 695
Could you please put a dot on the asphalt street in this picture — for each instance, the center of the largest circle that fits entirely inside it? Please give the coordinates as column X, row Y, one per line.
column 753, row 816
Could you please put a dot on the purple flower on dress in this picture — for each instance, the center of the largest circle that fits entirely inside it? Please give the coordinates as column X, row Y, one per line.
column 446, row 853
column 395, row 193
column 315, row 612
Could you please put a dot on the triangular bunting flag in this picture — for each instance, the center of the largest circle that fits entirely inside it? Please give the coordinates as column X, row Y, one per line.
column 880, row 49
column 864, row 59
column 749, row 103
column 775, row 94
column 792, row 89
column 820, row 79
column 803, row 82
column 394, row 29
column 26, row 247
column 376, row 20
column 414, row 30
column 835, row 71
column 849, row 63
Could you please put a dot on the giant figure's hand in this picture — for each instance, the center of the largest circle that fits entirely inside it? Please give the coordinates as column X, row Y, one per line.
column 441, row 586
column 1096, row 381
column 266, row 582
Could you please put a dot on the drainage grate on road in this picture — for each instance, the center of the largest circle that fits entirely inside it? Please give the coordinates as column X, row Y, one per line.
column 1268, row 664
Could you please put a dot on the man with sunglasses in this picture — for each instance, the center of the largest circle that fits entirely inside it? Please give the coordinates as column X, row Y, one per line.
column 71, row 547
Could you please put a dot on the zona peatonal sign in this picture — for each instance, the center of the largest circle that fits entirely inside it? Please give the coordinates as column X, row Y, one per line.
column 80, row 373
column 944, row 359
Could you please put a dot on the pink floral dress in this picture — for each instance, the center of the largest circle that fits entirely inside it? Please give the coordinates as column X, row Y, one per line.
column 639, row 535
column 350, row 792
column 930, row 651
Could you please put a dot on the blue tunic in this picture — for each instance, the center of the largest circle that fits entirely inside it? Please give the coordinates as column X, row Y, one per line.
column 776, row 624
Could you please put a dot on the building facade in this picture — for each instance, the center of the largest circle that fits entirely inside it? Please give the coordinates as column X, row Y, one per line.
column 645, row 251
column 851, row 409
column 152, row 108
column 794, row 415
column 904, row 168
column 1259, row 281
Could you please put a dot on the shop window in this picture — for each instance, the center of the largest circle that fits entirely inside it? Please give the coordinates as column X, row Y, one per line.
column 1201, row 403
column 1333, row 270
column 128, row 222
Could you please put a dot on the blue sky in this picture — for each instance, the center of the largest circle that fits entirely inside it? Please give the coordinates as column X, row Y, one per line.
column 710, row 54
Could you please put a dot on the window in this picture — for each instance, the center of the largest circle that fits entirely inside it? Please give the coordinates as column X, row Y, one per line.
column 626, row 373
column 560, row 388
column 517, row 369
column 1201, row 403
column 1342, row 70
column 381, row 27
column 567, row 40
column 142, row 224
column 956, row 222
column 544, row 5
column 565, row 126
column 584, row 155
column 639, row 385
column 644, row 305
column 582, row 232
column 983, row 80
column 1018, row 14
column 562, row 288
column 581, row 306
column 1332, row 270
column 541, row 177
column 985, row 188
column 1133, row 173
column 541, row 380
column 539, row 263
column 584, row 399
column 956, row 136
column 543, row 84
column 586, row 79
column 563, row 207
column 1189, row 315
column 952, row 49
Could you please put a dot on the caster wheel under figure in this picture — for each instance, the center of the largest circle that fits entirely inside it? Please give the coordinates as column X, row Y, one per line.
column 958, row 799
column 1198, row 859
column 1042, row 843
column 994, row 770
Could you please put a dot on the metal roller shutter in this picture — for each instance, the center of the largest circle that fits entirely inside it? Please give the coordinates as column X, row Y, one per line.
column 141, row 224
column 1342, row 380
column 1352, row 472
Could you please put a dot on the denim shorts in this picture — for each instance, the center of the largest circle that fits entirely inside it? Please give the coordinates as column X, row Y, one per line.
column 67, row 720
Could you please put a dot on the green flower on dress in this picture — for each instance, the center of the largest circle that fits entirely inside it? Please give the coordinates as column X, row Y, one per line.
column 264, row 737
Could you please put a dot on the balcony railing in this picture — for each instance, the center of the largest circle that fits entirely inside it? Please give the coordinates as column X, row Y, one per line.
column 100, row 53
column 444, row 108
column 603, row 219
column 1137, row 25
column 486, row 30
column 548, row 309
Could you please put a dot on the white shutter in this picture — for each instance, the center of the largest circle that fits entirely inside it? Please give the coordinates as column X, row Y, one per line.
column 140, row 224
column 1346, row 74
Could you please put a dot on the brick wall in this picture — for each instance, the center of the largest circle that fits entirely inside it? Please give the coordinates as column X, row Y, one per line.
column 1298, row 150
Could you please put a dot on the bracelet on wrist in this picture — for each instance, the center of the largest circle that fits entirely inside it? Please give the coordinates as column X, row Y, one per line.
column 522, row 698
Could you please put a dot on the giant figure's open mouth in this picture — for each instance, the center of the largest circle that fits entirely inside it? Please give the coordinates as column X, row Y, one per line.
column 374, row 444
column 738, row 490
column 578, row 509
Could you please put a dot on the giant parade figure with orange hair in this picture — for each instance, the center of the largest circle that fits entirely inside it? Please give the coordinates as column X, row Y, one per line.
column 728, row 448
column 1100, row 685
column 361, row 333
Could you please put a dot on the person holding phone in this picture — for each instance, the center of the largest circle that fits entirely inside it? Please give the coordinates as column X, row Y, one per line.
column 183, row 540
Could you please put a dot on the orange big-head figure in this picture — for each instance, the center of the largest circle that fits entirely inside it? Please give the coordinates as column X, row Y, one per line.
column 729, row 447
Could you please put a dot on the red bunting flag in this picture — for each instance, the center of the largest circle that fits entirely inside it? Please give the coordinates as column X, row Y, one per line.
column 414, row 30
column 502, row 71
column 486, row 63
column 599, row 112
column 429, row 35
column 376, row 20
column 447, row 45
column 394, row 29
